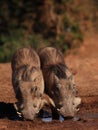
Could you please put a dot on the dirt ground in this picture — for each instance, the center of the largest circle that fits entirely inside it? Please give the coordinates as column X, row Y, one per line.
column 84, row 64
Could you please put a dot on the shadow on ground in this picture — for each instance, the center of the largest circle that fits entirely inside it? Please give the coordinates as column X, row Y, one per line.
column 7, row 110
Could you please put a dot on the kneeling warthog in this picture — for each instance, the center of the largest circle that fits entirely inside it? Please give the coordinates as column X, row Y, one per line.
column 59, row 82
column 28, row 83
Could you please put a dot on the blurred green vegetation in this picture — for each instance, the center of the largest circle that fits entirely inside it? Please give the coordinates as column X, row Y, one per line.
column 38, row 24
column 15, row 40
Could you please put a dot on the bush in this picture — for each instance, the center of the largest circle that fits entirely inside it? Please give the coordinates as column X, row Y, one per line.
column 37, row 24
column 13, row 41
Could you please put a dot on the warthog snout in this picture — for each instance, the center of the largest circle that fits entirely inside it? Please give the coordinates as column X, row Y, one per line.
column 70, row 107
column 29, row 110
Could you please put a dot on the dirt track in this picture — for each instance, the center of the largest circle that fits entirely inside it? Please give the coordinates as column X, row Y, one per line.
column 84, row 64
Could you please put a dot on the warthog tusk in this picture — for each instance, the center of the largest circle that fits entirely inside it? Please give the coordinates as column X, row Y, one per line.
column 15, row 106
column 58, row 109
column 19, row 114
column 77, row 109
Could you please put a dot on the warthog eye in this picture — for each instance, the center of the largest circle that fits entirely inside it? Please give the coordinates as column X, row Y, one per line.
column 34, row 105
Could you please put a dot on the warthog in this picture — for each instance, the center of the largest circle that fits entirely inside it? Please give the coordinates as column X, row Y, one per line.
column 28, row 83
column 59, row 82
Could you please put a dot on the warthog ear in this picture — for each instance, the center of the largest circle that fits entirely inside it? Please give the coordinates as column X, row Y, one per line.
column 47, row 100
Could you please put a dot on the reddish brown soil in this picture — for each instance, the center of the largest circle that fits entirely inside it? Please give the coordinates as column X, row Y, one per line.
column 84, row 64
